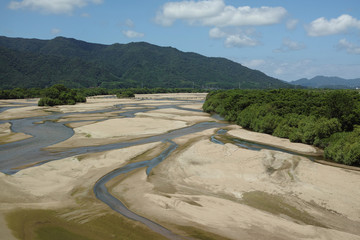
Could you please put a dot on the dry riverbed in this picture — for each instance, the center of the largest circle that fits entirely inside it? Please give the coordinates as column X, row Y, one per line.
column 202, row 190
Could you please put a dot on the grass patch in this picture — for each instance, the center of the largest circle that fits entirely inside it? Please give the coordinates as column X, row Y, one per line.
column 277, row 205
column 30, row 224
column 200, row 234
column 57, row 233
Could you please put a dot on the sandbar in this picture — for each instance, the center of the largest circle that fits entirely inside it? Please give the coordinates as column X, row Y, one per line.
column 270, row 140
column 8, row 136
column 240, row 193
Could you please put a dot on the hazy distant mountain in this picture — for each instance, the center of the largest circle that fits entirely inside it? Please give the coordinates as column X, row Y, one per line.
column 328, row 82
column 41, row 63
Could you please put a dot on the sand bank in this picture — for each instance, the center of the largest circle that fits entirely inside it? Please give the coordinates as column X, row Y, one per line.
column 267, row 139
column 7, row 136
column 180, row 96
column 90, row 116
column 56, row 184
column 177, row 115
column 223, row 189
column 153, row 122
column 24, row 112
column 118, row 130
column 239, row 193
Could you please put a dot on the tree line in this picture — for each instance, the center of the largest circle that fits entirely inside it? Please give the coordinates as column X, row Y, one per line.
column 328, row 119
column 61, row 95
column 21, row 93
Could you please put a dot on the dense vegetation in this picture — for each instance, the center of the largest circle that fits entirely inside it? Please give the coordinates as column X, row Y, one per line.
column 33, row 63
column 329, row 119
column 60, row 95
column 21, row 93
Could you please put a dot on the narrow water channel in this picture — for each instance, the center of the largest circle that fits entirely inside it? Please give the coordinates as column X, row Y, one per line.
column 102, row 193
column 50, row 132
column 257, row 146
column 46, row 132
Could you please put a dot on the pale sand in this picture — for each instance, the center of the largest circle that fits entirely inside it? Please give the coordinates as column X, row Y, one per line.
column 153, row 122
column 24, row 112
column 204, row 185
column 57, row 184
column 193, row 106
column 117, row 130
column 134, row 127
column 90, row 116
column 18, row 102
column 7, row 136
column 272, row 141
column 92, row 104
column 188, row 96
column 178, row 115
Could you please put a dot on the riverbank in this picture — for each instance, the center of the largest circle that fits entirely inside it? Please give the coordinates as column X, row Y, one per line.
column 239, row 193
column 59, row 194
column 8, row 136
column 203, row 189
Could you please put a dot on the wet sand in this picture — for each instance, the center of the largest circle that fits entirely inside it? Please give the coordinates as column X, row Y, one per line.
column 8, row 136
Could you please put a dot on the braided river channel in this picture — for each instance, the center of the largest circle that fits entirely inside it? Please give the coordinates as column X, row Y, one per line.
column 47, row 130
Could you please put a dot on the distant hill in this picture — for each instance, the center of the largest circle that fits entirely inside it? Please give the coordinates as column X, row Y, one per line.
column 74, row 63
column 328, row 82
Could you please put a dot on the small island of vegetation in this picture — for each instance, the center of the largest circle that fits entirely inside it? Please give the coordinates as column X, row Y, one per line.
column 60, row 95
column 328, row 119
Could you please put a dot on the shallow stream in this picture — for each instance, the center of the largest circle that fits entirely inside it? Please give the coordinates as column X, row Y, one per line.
column 46, row 131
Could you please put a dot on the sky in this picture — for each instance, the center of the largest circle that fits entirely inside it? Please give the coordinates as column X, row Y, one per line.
column 286, row 39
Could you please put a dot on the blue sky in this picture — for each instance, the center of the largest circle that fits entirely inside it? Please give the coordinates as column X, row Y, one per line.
column 286, row 39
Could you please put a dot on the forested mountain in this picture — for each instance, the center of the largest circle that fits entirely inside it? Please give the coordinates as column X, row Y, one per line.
column 42, row 63
column 328, row 82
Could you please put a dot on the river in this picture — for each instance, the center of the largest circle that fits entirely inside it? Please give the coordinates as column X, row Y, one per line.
column 46, row 131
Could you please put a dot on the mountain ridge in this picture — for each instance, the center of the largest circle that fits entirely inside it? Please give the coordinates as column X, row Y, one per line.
column 76, row 63
column 328, row 82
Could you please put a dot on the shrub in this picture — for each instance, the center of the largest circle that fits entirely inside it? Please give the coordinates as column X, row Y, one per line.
column 60, row 95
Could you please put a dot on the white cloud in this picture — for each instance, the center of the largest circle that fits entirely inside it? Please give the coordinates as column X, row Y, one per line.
column 254, row 63
column 129, row 23
column 133, row 34
column 246, row 16
column 324, row 27
column 216, row 33
column 237, row 38
column 216, row 13
column 51, row 6
column 351, row 48
column 291, row 24
column 289, row 45
column 240, row 40
column 55, row 31
column 188, row 10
